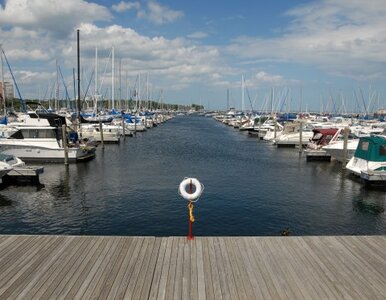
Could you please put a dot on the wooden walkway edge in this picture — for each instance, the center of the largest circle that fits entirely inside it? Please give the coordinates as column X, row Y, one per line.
column 101, row 267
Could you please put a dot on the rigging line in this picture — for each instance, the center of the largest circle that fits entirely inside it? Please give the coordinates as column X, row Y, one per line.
column 14, row 81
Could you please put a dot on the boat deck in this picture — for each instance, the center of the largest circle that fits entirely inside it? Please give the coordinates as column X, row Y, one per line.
column 85, row 267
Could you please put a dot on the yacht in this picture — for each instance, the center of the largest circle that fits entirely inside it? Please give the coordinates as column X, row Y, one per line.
column 36, row 140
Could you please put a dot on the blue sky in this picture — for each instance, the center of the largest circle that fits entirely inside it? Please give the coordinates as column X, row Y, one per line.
column 315, row 55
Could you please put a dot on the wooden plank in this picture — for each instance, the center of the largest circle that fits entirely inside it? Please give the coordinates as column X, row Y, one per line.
column 158, row 286
column 99, row 284
column 254, row 274
column 28, row 269
column 214, row 270
column 148, row 276
column 200, row 270
column 13, row 249
column 40, row 276
column 179, row 269
column 342, row 281
column 186, row 271
column 90, row 279
column 171, row 273
column 228, row 272
column 61, row 279
column 120, row 290
column 130, row 255
column 193, row 269
column 310, row 273
column 138, row 268
column 68, row 288
column 234, row 268
column 357, row 264
column 124, row 246
column 44, row 281
column 209, row 292
column 283, row 260
column 19, row 262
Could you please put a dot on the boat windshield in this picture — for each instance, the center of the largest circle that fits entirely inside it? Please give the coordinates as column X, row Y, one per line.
column 38, row 133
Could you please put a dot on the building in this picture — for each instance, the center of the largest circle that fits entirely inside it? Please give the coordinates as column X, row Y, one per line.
column 9, row 90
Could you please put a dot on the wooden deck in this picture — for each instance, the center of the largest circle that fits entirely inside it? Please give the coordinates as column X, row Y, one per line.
column 89, row 267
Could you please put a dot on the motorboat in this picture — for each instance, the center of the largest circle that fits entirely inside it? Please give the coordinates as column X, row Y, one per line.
column 36, row 140
column 321, row 138
column 369, row 157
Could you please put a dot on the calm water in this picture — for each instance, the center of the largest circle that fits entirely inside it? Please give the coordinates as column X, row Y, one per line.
column 251, row 188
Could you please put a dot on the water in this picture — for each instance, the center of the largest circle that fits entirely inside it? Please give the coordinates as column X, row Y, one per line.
column 251, row 188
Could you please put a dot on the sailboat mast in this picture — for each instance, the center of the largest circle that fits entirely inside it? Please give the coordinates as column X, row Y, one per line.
column 2, row 78
column 242, row 93
column 112, row 79
column 96, row 73
column 78, row 56
column 96, row 81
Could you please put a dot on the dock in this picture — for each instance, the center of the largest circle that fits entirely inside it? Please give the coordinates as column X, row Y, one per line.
column 105, row 267
column 23, row 175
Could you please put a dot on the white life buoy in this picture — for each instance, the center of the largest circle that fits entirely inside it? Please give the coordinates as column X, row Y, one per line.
column 185, row 183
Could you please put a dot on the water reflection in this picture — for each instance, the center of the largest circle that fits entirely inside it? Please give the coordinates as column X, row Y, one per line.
column 369, row 202
column 5, row 201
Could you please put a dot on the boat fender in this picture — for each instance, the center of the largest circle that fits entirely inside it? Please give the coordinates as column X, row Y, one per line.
column 186, row 183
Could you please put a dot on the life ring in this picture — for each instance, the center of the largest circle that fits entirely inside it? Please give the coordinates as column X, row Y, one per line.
column 186, row 182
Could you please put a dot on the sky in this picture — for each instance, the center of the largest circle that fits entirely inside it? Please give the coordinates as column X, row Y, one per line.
column 324, row 55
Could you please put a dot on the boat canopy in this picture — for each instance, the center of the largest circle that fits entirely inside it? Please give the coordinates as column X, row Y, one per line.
column 371, row 148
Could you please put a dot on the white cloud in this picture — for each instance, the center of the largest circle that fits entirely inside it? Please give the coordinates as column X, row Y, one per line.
column 159, row 14
column 197, row 35
column 345, row 38
column 124, row 6
column 262, row 78
column 56, row 17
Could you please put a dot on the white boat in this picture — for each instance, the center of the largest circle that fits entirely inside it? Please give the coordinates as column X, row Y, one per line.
column 7, row 163
column 92, row 131
column 335, row 149
column 290, row 136
column 322, row 137
column 36, row 140
column 369, row 158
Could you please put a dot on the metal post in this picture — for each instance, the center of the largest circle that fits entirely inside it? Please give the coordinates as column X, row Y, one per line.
column 190, row 235
column 64, row 143
column 123, row 127
column 345, row 142
column 101, row 132
column 301, row 137
column 275, row 126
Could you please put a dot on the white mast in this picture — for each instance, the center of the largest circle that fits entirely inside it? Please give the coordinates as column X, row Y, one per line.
column 112, row 79
column 139, row 91
column 2, row 77
column 242, row 93
column 96, row 81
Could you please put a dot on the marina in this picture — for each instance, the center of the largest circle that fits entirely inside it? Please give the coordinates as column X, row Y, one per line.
column 252, row 188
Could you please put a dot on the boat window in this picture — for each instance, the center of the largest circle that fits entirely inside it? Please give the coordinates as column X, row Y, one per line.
column 17, row 135
column 364, row 146
column 382, row 150
column 38, row 133
column 317, row 136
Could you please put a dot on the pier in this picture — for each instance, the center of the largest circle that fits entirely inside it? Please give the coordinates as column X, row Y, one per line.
column 85, row 267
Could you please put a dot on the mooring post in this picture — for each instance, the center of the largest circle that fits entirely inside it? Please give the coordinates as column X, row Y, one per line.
column 123, row 127
column 101, row 132
column 301, row 137
column 345, row 142
column 64, row 143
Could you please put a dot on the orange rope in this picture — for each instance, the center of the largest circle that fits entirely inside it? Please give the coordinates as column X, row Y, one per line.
column 191, row 217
